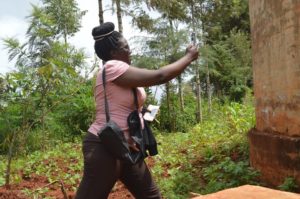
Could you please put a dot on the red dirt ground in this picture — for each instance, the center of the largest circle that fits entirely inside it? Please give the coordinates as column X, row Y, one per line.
column 35, row 182
column 15, row 191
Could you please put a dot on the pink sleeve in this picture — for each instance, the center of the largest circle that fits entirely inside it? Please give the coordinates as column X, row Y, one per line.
column 115, row 69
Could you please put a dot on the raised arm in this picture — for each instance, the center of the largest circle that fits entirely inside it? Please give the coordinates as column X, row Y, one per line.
column 137, row 77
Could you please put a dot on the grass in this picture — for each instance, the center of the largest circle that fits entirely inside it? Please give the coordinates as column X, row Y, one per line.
column 212, row 156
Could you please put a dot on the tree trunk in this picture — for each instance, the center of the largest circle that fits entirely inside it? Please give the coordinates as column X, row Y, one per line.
column 65, row 38
column 168, row 103
column 180, row 91
column 209, row 92
column 101, row 18
column 199, row 100
column 9, row 158
column 119, row 15
column 172, row 108
column 198, row 83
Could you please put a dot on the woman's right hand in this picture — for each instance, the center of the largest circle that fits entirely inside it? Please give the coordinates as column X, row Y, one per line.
column 192, row 52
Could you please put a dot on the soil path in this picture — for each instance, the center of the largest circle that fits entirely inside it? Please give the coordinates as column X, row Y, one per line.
column 54, row 191
column 39, row 185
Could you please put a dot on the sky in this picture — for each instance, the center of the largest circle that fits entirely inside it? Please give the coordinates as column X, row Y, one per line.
column 13, row 23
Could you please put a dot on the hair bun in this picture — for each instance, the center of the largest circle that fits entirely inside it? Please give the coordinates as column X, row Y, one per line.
column 103, row 29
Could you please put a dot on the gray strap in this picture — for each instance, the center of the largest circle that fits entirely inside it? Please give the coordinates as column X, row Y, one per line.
column 135, row 99
column 134, row 90
column 105, row 98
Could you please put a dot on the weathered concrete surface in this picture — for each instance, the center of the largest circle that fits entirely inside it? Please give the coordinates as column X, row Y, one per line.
column 250, row 192
column 275, row 31
column 274, row 143
column 277, row 156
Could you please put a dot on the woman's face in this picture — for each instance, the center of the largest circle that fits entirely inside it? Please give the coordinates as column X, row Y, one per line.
column 123, row 52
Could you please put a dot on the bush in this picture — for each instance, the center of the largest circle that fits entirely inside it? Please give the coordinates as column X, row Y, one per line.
column 211, row 156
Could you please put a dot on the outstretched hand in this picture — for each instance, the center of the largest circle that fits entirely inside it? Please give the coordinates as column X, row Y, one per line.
column 192, row 52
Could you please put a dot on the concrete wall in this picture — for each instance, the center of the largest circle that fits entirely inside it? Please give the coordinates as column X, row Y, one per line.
column 275, row 141
column 275, row 29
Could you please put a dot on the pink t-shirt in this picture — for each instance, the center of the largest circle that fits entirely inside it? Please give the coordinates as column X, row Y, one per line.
column 120, row 99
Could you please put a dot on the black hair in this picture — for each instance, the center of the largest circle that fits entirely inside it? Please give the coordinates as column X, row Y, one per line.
column 106, row 40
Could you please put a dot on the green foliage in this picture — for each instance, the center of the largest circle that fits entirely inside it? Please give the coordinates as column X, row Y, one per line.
column 16, row 111
column 2, row 169
column 213, row 155
column 289, row 184
column 54, row 164
column 65, row 14
column 46, row 77
column 142, row 20
column 37, row 117
column 227, row 174
column 229, row 64
column 173, row 170
column 76, row 114
column 47, row 100
column 220, row 17
column 171, row 9
column 177, row 119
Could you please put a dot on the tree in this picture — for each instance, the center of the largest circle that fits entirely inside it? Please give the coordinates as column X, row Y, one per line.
column 208, row 57
column 213, row 21
column 195, row 23
column 169, row 48
column 14, row 117
column 233, row 65
column 119, row 15
column 220, row 17
column 66, row 16
column 117, row 4
column 100, row 8
column 45, row 65
column 168, row 10
column 180, row 11
column 219, row 21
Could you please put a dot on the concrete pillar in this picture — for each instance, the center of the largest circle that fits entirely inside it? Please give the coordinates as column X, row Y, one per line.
column 275, row 141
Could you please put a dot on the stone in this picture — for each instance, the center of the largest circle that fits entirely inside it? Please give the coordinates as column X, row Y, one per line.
column 250, row 192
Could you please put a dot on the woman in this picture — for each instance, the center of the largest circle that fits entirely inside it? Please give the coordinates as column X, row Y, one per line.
column 101, row 170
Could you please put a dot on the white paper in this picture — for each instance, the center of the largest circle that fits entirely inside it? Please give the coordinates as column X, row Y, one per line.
column 150, row 116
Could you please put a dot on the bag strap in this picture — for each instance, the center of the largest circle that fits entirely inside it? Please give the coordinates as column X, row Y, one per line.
column 134, row 90
column 105, row 98
column 135, row 99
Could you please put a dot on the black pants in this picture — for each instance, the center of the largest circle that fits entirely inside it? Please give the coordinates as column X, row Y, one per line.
column 101, row 171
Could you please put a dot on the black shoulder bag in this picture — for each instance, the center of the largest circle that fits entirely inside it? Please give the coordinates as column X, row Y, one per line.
column 113, row 139
column 143, row 137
